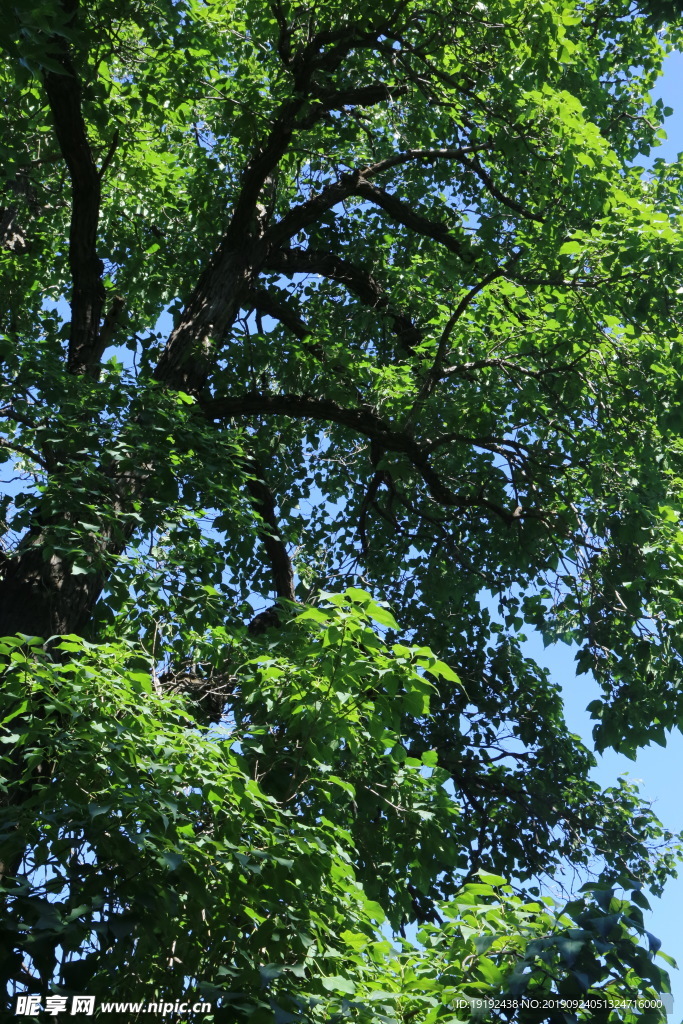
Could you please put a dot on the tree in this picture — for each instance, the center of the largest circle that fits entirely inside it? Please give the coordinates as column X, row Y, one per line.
column 359, row 295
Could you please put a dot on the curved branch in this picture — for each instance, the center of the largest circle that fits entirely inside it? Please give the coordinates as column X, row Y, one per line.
column 404, row 214
column 308, row 212
column 435, row 373
column 356, row 184
column 358, row 281
column 266, row 301
column 23, row 450
column 490, row 185
column 362, row 421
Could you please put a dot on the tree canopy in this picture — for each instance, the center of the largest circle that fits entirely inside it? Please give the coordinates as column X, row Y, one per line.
column 340, row 345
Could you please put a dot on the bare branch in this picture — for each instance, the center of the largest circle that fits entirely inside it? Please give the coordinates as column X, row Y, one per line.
column 405, row 214
column 110, row 154
column 355, row 184
column 308, row 212
column 508, row 364
column 111, row 325
column 362, row 96
column 435, row 374
column 369, row 501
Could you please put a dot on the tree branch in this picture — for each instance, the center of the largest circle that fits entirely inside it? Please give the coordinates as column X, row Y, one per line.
column 422, row 156
column 12, row 235
column 358, row 281
column 286, row 120
column 214, row 303
column 435, row 372
column 378, row 478
column 110, row 154
column 362, row 421
column 23, row 450
column 263, row 503
column 87, row 299
column 356, row 184
column 362, row 96
column 411, row 219
column 266, row 301
column 483, row 175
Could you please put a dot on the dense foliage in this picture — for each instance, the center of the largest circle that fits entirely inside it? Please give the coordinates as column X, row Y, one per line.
column 165, row 864
column 309, row 311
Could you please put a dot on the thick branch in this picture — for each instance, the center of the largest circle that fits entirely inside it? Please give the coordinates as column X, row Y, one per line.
column 214, row 303
column 362, row 421
column 87, row 299
column 263, row 503
column 362, row 96
column 356, row 184
column 209, row 313
column 308, row 212
column 404, row 214
column 326, row 50
column 359, row 281
column 267, row 301
column 302, row 112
